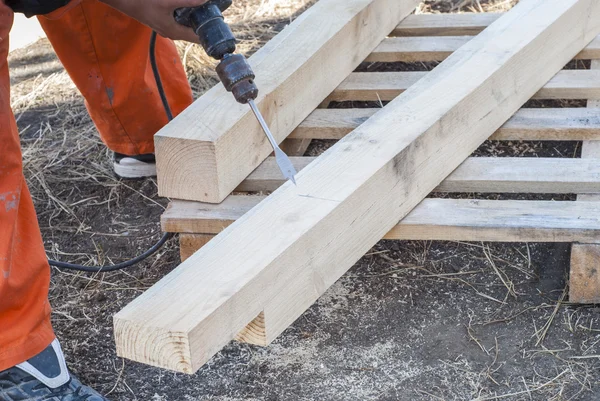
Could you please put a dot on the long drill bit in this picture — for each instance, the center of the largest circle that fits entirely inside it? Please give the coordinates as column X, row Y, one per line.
column 283, row 161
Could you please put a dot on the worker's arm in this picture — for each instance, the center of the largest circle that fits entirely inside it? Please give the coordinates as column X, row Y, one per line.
column 158, row 15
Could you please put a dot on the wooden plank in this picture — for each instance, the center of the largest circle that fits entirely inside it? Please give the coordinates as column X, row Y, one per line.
column 295, row 147
column 445, row 24
column 563, row 124
column 414, row 49
column 441, row 25
column 282, row 255
column 375, row 86
column 433, row 219
column 206, row 151
column 477, row 174
column 332, row 123
column 584, row 278
column 572, row 84
column 438, row 48
column 190, row 243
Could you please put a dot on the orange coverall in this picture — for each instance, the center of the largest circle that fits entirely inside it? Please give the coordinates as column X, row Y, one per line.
column 106, row 55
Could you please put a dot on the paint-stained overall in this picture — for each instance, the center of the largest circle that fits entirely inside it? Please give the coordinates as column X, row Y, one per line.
column 106, row 55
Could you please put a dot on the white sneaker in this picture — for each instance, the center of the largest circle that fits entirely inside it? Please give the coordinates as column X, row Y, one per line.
column 140, row 166
column 44, row 377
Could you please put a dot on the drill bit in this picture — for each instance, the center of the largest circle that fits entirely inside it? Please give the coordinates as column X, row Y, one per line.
column 234, row 71
column 283, row 161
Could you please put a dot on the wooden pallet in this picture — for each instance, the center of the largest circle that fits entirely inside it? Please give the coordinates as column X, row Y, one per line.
column 425, row 38
column 255, row 279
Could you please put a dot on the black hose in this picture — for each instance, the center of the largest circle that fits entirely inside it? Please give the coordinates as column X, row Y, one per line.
column 166, row 236
column 118, row 266
column 159, row 85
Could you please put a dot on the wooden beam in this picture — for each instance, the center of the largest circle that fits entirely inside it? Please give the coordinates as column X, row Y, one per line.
column 564, row 124
column 280, row 257
column 332, row 123
column 416, row 49
column 375, row 86
column 213, row 145
column 433, row 219
column 438, row 48
column 295, row 147
column 477, row 174
column 188, row 244
column 445, row 24
column 191, row 243
column 584, row 278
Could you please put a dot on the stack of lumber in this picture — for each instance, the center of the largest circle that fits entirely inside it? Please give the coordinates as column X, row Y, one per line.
column 275, row 255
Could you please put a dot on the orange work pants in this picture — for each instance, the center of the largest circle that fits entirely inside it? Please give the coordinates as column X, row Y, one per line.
column 106, row 55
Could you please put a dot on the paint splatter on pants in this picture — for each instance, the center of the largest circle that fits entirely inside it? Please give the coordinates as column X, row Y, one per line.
column 106, row 55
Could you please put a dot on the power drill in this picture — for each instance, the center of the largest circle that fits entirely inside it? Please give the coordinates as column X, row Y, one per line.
column 219, row 43
column 234, row 71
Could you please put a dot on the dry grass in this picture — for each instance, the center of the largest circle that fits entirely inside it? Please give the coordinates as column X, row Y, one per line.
column 470, row 6
column 517, row 339
column 254, row 23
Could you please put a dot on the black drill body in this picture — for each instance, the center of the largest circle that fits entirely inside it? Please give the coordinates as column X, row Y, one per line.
column 219, row 43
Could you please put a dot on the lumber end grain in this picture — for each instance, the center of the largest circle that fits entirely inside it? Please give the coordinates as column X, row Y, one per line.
column 255, row 333
column 179, row 178
column 152, row 346
column 584, row 282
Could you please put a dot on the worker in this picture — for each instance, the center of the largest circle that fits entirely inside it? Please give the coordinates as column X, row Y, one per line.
column 103, row 45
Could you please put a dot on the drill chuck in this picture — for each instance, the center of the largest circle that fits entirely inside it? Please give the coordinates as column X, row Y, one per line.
column 208, row 23
column 238, row 78
column 219, row 43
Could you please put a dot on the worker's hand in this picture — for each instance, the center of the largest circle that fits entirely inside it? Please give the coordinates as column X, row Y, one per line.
column 158, row 15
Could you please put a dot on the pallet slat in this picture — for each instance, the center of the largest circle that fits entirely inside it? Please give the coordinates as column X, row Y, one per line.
column 438, row 48
column 566, row 124
column 445, row 24
column 416, row 49
column 477, row 174
column 433, row 219
column 386, row 86
column 584, row 277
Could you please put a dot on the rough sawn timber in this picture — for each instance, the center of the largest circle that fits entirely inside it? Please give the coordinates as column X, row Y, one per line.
column 206, row 151
column 378, row 86
column 563, row 124
column 476, row 174
column 433, row 48
column 277, row 259
column 584, row 278
column 445, row 24
column 433, row 219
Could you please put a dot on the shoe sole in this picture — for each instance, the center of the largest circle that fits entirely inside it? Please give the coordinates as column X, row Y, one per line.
column 131, row 168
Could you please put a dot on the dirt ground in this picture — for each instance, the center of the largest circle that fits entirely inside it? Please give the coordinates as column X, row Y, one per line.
column 410, row 321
